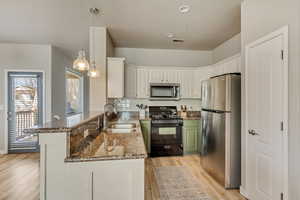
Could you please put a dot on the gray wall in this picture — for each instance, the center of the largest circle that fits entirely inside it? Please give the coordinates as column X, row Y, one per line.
column 229, row 48
column 59, row 64
column 165, row 57
column 24, row 57
column 260, row 17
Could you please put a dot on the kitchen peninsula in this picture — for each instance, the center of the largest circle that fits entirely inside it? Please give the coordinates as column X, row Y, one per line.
column 82, row 161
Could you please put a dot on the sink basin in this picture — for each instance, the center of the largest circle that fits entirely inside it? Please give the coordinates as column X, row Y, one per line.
column 121, row 130
column 122, row 126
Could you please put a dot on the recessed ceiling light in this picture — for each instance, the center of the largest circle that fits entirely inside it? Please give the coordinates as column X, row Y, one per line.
column 178, row 41
column 170, row 35
column 184, row 8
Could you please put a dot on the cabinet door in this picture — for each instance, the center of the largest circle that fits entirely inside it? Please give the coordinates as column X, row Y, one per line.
column 171, row 76
column 142, row 83
column 191, row 136
column 146, row 130
column 157, row 76
column 115, row 77
column 186, row 84
column 130, row 81
column 231, row 66
column 198, row 77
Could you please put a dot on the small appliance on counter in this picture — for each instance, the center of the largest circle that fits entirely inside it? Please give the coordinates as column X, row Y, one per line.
column 166, row 131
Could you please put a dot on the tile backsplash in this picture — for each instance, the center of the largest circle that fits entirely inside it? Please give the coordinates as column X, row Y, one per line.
column 126, row 104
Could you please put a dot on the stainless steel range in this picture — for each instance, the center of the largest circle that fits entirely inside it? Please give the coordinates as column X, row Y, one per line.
column 166, row 131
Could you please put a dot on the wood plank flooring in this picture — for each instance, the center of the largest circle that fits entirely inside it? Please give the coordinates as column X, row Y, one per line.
column 19, row 177
column 192, row 163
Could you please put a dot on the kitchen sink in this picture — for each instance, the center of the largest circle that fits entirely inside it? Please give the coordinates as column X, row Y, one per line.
column 121, row 130
column 122, row 126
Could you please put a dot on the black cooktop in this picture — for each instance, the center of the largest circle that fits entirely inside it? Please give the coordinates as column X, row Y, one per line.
column 163, row 112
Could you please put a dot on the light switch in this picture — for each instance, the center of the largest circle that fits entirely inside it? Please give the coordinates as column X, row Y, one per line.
column 1, row 107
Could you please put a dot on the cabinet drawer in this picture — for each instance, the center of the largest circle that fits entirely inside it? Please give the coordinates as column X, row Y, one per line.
column 191, row 123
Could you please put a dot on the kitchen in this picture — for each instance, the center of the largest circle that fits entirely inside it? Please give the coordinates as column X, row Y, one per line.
column 147, row 105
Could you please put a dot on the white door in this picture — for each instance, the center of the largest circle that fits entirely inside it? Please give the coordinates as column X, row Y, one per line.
column 265, row 112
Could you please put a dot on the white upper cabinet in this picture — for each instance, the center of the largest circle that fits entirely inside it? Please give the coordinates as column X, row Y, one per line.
column 115, row 77
column 130, row 81
column 172, row 76
column 163, row 76
column 186, row 83
column 201, row 74
column 230, row 65
column 143, row 82
column 189, row 78
column 156, row 76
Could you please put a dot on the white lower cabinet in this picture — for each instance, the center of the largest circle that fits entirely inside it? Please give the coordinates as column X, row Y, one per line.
column 90, row 180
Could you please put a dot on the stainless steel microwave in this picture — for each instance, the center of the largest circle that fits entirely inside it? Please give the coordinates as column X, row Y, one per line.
column 165, row 91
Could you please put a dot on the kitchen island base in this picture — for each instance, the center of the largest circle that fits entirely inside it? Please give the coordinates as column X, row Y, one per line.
column 87, row 180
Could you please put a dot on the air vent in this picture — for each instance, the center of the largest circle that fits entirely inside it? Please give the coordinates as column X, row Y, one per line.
column 178, row 41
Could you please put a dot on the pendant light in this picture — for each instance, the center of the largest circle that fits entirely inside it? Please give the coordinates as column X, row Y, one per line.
column 81, row 63
column 93, row 72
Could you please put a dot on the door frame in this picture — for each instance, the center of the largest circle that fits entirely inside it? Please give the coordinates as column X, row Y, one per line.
column 6, row 71
column 284, row 31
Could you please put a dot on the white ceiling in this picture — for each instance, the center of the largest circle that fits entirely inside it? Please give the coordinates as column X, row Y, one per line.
column 131, row 23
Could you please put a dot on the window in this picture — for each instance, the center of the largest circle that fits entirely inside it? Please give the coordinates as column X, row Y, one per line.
column 74, row 92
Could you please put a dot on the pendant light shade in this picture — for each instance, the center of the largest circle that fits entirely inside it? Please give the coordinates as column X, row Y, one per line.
column 81, row 63
column 93, row 72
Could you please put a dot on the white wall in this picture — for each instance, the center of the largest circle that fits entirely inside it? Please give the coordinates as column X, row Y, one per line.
column 165, row 57
column 24, row 57
column 260, row 17
column 227, row 49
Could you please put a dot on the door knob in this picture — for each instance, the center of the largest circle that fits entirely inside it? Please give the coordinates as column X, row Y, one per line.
column 252, row 132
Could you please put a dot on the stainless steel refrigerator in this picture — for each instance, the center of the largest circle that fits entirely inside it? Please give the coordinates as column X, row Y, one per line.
column 221, row 129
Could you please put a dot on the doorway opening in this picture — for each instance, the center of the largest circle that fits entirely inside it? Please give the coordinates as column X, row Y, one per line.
column 25, row 110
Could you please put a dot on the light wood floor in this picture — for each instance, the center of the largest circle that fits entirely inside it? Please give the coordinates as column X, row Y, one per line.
column 19, row 177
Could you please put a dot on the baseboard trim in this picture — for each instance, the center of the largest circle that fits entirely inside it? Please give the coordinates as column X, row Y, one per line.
column 2, row 152
column 244, row 192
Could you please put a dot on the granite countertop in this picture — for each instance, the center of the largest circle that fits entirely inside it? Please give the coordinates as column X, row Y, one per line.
column 190, row 115
column 63, row 125
column 127, row 145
